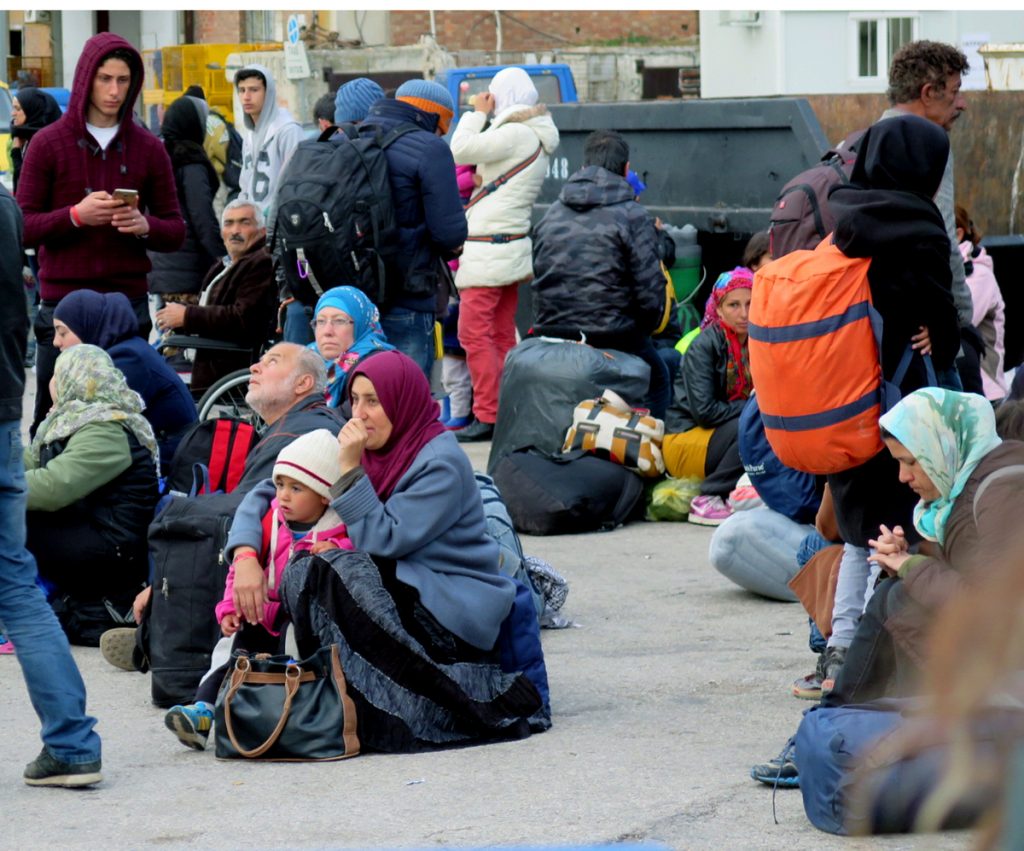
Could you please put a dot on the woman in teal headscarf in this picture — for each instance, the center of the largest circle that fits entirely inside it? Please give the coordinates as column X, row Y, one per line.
column 970, row 485
column 346, row 326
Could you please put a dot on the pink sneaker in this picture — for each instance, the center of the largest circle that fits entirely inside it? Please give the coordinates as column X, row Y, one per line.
column 708, row 510
column 7, row 648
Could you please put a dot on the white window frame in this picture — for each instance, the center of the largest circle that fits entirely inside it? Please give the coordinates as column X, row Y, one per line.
column 880, row 18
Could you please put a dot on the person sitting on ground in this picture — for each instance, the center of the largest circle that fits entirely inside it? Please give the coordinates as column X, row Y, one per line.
column 426, row 597
column 989, row 309
column 237, row 302
column 286, row 389
column 108, row 321
column 300, row 519
column 597, row 268
column 347, row 329
column 713, row 384
column 968, row 484
column 91, row 472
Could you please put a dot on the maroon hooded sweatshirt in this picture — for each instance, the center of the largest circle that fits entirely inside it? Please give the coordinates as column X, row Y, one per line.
column 65, row 163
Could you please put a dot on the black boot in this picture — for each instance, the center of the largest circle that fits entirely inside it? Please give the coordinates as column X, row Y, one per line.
column 475, row 431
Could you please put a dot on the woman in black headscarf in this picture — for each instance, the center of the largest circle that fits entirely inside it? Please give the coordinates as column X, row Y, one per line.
column 176, row 277
column 32, row 109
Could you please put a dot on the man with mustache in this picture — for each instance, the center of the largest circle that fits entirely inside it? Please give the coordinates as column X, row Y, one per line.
column 237, row 301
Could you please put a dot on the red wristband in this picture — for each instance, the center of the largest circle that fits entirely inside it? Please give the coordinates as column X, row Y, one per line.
column 75, row 220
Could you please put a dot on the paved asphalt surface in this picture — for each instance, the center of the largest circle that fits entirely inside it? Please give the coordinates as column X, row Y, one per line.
column 673, row 683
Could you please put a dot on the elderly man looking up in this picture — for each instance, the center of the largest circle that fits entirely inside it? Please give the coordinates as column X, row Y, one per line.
column 237, row 301
column 287, row 390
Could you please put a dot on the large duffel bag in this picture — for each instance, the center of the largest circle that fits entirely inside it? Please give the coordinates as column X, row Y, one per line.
column 832, row 741
column 566, row 493
column 186, row 541
column 544, row 380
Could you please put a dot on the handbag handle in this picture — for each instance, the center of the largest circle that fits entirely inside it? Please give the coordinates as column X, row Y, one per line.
column 291, row 686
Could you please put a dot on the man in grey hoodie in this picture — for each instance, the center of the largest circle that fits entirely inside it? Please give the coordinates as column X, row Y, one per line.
column 273, row 135
column 266, row 149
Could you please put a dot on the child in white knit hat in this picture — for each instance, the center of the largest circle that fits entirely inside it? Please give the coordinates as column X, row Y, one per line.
column 300, row 518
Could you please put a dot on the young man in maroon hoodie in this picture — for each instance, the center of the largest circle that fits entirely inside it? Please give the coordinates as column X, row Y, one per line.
column 89, row 235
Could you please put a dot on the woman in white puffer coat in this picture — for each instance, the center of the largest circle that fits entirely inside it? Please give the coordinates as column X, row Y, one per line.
column 498, row 253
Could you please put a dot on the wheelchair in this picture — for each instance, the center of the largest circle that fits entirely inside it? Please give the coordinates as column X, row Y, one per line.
column 226, row 396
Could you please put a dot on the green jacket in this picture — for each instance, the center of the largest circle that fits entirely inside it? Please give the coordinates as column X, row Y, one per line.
column 93, row 456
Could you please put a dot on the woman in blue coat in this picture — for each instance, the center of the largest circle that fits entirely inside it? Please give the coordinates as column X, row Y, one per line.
column 108, row 321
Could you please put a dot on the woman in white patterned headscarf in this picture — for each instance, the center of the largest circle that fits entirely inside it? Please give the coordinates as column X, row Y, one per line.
column 91, row 473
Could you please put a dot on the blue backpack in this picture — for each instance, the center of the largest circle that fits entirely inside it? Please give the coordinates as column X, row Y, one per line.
column 785, row 490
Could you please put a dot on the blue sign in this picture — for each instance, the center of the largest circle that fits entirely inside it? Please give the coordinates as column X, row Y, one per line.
column 293, row 29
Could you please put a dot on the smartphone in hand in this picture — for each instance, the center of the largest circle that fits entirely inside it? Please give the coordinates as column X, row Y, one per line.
column 127, row 196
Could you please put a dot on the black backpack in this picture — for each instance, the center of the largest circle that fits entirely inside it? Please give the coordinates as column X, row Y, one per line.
column 335, row 221
column 801, row 217
column 563, row 494
column 186, row 543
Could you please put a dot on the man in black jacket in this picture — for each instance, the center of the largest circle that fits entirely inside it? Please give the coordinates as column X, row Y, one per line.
column 71, row 748
column 597, row 270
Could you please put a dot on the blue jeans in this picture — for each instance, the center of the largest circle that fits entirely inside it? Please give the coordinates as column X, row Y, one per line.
column 412, row 333
column 54, row 684
column 296, row 323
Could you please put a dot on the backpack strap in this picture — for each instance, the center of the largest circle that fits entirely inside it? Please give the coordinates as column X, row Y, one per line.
column 995, row 475
column 502, row 179
column 396, row 133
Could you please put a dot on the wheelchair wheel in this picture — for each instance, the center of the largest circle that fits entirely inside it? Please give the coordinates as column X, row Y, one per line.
column 226, row 398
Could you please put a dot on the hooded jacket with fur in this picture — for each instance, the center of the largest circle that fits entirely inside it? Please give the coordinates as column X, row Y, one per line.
column 511, row 138
column 267, row 147
column 65, row 163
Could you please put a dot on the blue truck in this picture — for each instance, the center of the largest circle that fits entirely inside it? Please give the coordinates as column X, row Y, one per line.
column 554, row 83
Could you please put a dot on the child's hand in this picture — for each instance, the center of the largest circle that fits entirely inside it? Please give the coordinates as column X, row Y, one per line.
column 322, row 547
column 229, row 624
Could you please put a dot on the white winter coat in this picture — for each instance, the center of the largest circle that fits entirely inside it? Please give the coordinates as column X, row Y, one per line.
column 511, row 138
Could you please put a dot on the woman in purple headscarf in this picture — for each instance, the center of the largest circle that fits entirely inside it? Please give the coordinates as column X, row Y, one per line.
column 417, row 609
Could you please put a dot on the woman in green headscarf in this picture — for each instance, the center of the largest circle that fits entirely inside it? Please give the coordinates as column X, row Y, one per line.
column 970, row 485
column 91, row 473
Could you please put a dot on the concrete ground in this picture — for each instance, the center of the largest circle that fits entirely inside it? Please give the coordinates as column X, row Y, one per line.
column 673, row 684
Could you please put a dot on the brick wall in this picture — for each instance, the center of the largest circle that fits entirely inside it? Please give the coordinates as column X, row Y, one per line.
column 538, row 30
column 218, row 27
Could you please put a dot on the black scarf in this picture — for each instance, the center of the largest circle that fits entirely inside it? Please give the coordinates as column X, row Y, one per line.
column 40, row 109
column 183, row 133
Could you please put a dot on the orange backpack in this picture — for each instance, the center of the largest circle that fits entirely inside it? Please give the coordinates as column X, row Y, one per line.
column 814, row 357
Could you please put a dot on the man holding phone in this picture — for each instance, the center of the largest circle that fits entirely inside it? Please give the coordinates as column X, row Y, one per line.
column 96, row 191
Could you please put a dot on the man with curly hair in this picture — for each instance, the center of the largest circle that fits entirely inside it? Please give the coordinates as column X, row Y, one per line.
column 925, row 79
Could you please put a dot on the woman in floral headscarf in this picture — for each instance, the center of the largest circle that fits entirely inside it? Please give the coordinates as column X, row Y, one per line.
column 91, row 473
column 970, row 486
column 711, row 389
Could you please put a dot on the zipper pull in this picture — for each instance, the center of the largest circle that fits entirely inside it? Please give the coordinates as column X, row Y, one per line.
column 164, row 589
column 327, row 222
column 220, row 557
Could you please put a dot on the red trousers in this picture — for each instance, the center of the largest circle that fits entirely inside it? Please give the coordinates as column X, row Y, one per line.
column 487, row 330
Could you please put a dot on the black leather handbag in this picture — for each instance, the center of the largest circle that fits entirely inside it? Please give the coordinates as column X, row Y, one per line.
column 274, row 708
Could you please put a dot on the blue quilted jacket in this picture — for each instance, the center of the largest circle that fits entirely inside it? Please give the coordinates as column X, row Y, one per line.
column 431, row 221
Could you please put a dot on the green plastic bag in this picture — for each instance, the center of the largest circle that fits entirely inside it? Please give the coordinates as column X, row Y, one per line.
column 670, row 498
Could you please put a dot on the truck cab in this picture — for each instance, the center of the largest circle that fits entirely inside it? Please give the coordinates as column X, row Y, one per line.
column 554, row 83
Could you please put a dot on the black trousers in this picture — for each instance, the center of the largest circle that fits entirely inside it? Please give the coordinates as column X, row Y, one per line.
column 875, row 666
column 723, row 466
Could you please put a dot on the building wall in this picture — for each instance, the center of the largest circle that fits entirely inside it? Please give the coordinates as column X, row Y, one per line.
column 814, row 52
column 536, row 30
column 218, row 26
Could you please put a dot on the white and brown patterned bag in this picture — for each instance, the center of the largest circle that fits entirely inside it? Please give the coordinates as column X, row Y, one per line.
column 629, row 436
